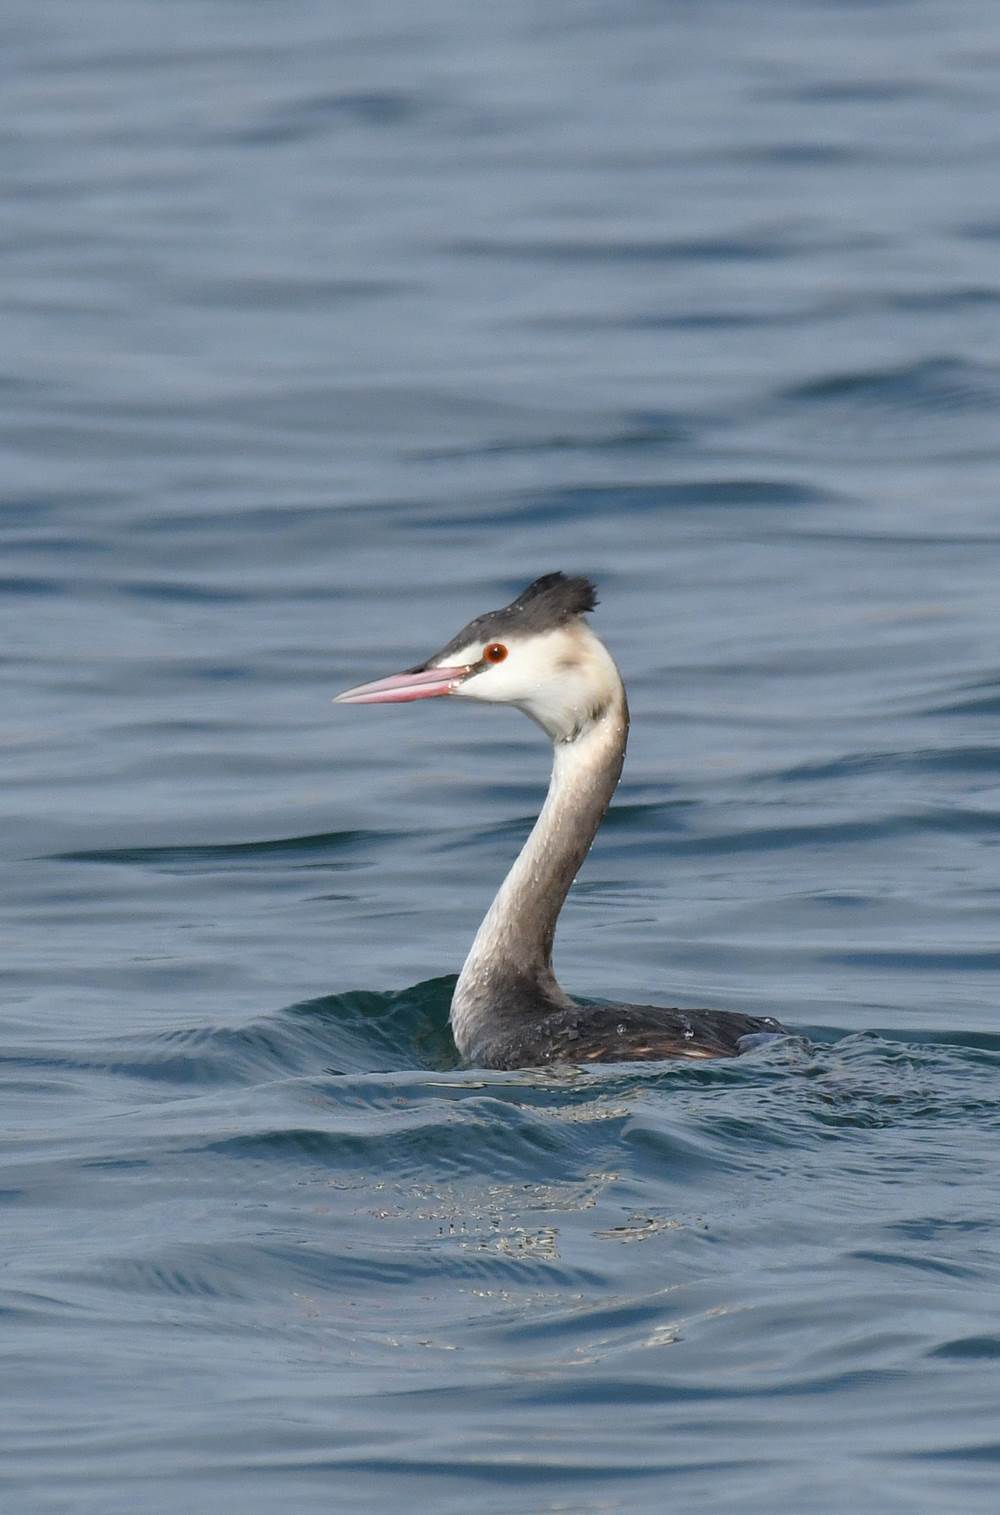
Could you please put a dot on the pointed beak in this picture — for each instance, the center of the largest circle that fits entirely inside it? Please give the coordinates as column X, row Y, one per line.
column 400, row 687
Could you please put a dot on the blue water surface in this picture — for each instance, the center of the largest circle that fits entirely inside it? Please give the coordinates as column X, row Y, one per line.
column 326, row 327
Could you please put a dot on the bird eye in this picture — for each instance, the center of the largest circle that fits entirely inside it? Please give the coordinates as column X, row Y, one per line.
column 495, row 652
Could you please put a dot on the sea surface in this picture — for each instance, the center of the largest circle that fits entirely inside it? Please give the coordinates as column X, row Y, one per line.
column 327, row 326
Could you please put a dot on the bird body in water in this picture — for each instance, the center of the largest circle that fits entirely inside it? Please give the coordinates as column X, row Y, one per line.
column 508, row 1011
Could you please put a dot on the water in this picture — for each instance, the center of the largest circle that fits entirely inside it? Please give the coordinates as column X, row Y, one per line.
column 326, row 328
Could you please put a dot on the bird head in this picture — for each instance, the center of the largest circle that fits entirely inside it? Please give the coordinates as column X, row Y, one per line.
column 537, row 654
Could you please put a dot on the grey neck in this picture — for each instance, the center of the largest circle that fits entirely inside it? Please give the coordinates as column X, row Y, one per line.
column 508, row 975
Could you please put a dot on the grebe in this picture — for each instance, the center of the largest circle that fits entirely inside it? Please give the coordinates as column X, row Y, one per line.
column 539, row 655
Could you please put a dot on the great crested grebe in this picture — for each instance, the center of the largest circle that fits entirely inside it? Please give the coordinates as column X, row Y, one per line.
column 508, row 1011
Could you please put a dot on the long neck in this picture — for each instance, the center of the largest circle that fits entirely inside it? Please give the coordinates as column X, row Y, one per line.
column 508, row 973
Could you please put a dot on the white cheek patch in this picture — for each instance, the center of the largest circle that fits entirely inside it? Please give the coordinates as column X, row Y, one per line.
column 462, row 658
column 563, row 678
column 522, row 677
column 499, row 682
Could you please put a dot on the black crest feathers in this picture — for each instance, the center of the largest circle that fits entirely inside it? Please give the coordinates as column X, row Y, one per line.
column 549, row 602
column 556, row 597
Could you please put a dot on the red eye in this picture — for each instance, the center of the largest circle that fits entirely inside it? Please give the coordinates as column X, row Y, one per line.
column 495, row 652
